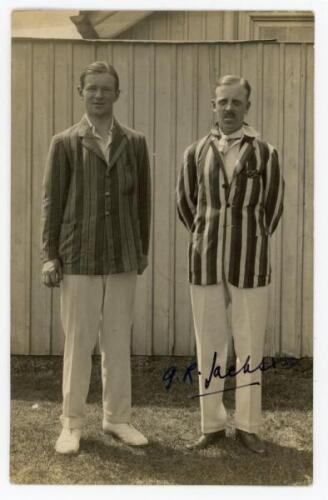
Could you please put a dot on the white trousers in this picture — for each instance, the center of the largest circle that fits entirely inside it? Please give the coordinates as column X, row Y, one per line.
column 92, row 306
column 249, row 308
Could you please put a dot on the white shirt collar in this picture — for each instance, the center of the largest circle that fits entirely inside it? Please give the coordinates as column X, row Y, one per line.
column 94, row 130
column 238, row 134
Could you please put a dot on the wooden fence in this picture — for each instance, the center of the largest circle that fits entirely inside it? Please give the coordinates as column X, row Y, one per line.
column 166, row 93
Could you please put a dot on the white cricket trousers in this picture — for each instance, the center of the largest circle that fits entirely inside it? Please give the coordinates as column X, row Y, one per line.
column 92, row 306
column 249, row 308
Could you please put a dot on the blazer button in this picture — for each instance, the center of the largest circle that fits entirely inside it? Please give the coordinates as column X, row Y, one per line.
column 107, row 212
column 224, row 186
column 107, row 193
column 228, row 205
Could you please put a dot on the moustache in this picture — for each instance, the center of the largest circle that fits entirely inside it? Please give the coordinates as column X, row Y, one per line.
column 229, row 115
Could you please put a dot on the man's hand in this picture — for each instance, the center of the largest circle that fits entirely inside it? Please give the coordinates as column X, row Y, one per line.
column 52, row 273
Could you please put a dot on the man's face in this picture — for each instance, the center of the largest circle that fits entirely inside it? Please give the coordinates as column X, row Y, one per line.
column 230, row 105
column 99, row 94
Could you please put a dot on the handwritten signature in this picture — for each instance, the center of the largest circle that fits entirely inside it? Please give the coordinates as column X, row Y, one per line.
column 171, row 374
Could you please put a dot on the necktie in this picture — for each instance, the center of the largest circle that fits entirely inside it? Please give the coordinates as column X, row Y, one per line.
column 223, row 144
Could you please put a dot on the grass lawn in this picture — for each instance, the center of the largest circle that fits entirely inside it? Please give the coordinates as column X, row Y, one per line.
column 169, row 418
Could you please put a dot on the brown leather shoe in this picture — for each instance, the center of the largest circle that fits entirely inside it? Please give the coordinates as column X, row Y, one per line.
column 205, row 440
column 251, row 441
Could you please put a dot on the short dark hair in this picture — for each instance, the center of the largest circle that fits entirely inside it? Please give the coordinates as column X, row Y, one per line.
column 100, row 67
column 232, row 80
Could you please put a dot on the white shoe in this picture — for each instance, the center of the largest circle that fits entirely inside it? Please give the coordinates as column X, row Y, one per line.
column 126, row 433
column 68, row 441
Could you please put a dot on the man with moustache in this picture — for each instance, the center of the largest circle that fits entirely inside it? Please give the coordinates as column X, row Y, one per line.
column 230, row 198
column 95, row 239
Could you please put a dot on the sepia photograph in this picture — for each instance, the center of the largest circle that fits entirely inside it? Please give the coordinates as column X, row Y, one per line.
column 162, row 242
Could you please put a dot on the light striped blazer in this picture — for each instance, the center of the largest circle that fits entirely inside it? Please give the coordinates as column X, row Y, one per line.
column 96, row 213
column 230, row 224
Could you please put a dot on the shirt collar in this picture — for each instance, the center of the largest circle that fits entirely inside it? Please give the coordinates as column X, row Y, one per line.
column 237, row 134
column 94, row 130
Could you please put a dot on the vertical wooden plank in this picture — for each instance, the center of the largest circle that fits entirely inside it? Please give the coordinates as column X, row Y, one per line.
column 249, row 70
column 270, row 84
column 176, row 25
column 278, row 319
column 259, row 98
column 152, row 121
column 230, row 25
column 63, row 118
column 121, row 62
column 241, row 25
column 158, row 26
column 195, row 26
column 271, row 115
column 229, row 59
column 259, row 85
column 163, row 286
column 63, row 86
column 42, row 130
column 214, row 25
column 215, row 65
column 172, row 207
column 110, row 53
column 186, row 83
column 195, row 135
column 143, row 122
column 102, row 52
column 21, row 197
column 205, row 79
column 204, row 25
column 307, row 285
column 83, row 54
column 301, row 197
column 293, row 216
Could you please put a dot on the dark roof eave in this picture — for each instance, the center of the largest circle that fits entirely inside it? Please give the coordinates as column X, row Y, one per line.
column 84, row 27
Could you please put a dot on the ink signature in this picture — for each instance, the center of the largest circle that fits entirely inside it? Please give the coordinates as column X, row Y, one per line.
column 171, row 374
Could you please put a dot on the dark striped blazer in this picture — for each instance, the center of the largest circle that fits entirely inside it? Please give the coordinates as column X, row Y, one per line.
column 230, row 224
column 96, row 214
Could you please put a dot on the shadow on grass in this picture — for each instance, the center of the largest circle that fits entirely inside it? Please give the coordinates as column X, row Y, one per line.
column 102, row 461
column 226, row 464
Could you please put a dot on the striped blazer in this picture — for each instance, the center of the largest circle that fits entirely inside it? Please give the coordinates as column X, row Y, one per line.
column 230, row 224
column 96, row 214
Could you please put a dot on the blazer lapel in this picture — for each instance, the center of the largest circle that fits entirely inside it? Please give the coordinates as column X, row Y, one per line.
column 118, row 144
column 246, row 149
column 218, row 157
column 88, row 140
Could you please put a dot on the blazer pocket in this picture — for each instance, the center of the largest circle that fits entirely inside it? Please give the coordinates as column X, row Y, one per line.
column 67, row 232
column 127, row 181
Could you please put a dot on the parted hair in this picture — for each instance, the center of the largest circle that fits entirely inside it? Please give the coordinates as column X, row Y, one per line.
column 233, row 80
column 100, row 67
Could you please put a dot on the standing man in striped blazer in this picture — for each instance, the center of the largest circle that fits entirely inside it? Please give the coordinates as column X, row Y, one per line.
column 230, row 198
column 95, row 239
